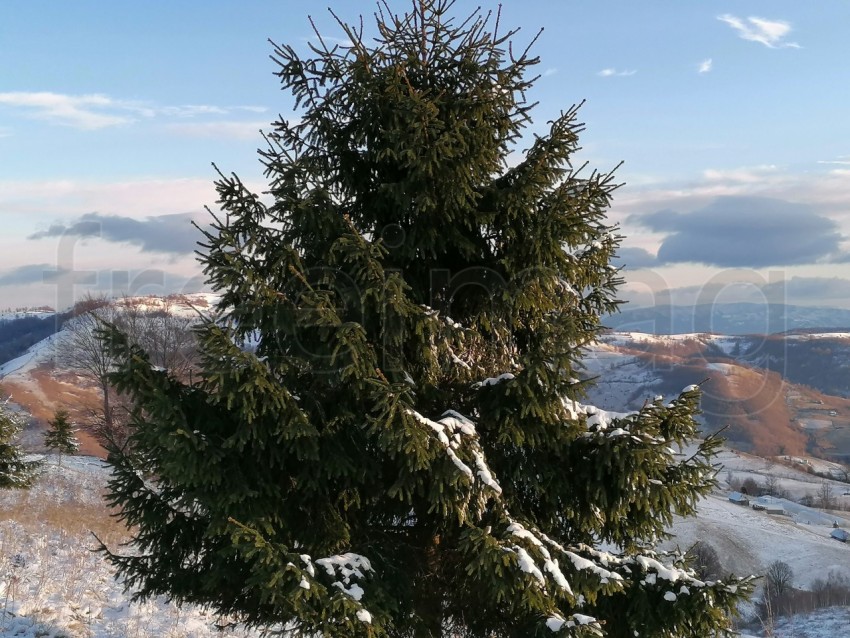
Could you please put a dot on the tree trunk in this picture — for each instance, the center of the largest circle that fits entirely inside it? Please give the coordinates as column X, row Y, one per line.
column 429, row 595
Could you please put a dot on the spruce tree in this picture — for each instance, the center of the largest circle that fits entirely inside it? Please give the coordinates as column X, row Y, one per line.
column 402, row 450
column 61, row 437
column 15, row 470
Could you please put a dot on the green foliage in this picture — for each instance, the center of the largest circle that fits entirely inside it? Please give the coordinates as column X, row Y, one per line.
column 402, row 450
column 15, row 470
column 61, row 437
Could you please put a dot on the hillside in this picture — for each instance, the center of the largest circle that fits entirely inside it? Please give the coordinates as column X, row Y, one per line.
column 62, row 589
column 56, row 587
column 782, row 394
column 21, row 329
column 51, row 583
column 749, row 540
column 40, row 385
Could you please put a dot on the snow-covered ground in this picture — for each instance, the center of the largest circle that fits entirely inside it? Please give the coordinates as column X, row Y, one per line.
column 35, row 355
column 184, row 306
column 833, row 622
column 628, row 387
column 188, row 305
column 791, row 473
column 53, row 586
column 747, row 541
column 819, row 335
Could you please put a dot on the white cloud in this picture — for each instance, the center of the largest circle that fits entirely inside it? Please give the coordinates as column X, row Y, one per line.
column 705, row 66
column 827, row 191
column 550, row 71
column 610, row 73
column 69, row 198
column 841, row 160
column 770, row 33
column 98, row 111
column 221, row 129
column 78, row 111
column 743, row 175
column 23, row 206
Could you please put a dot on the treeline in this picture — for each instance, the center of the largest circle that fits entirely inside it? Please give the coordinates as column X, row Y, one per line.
column 16, row 335
column 823, row 363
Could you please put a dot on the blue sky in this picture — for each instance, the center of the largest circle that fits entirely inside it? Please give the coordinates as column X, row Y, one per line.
column 730, row 118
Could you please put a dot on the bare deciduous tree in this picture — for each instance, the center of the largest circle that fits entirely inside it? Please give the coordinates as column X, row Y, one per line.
column 773, row 487
column 706, row 561
column 79, row 348
column 826, row 496
column 779, row 578
column 166, row 337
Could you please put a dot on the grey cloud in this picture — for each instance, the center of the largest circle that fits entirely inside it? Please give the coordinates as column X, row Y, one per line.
column 746, row 232
column 172, row 234
column 30, row 274
column 633, row 258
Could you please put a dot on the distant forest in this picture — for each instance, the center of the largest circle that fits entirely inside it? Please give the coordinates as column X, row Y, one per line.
column 16, row 335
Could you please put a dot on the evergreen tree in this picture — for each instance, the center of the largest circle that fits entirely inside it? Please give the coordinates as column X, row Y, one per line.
column 402, row 451
column 15, row 470
column 61, row 436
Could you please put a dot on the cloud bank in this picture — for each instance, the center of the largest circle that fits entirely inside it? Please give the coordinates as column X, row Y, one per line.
column 745, row 232
column 169, row 234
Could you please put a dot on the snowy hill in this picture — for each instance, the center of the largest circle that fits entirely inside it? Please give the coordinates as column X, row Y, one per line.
column 34, row 356
column 9, row 315
column 40, row 385
column 779, row 394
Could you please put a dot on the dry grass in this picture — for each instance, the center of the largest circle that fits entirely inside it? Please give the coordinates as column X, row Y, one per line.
column 52, row 583
column 44, row 390
column 68, row 504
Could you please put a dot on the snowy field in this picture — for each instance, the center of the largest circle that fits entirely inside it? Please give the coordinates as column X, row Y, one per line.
column 823, row 623
column 791, row 473
column 53, row 586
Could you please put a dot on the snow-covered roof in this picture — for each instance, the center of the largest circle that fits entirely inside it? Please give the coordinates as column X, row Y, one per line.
column 840, row 534
column 771, row 504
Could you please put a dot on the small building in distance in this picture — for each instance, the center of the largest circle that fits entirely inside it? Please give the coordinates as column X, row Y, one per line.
column 769, row 505
column 739, row 499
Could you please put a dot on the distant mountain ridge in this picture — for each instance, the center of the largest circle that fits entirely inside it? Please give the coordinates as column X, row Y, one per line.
column 727, row 318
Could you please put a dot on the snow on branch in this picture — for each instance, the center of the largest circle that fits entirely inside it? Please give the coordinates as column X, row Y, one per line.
column 454, row 430
column 507, row 376
column 348, row 571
